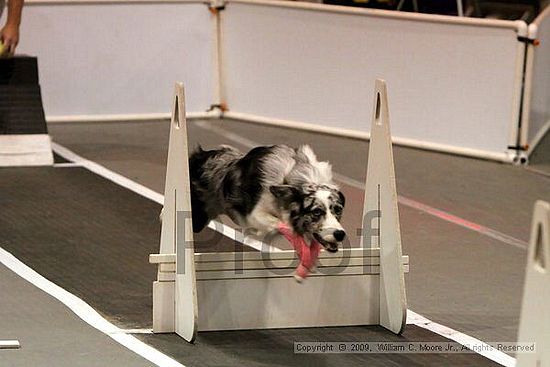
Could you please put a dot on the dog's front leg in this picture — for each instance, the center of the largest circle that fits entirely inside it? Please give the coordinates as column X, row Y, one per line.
column 263, row 222
column 263, row 218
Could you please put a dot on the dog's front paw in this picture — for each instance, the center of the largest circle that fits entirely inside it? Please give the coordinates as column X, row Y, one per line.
column 161, row 214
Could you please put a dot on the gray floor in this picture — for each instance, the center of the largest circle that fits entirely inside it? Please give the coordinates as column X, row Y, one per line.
column 92, row 238
column 47, row 330
column 264, row 348
column 458, row 277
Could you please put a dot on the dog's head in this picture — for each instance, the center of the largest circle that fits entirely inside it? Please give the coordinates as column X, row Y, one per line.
column 314, row 210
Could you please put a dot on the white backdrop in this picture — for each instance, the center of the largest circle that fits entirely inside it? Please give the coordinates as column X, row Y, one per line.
column 119, row 58
column 449, row 84
column 454, row 83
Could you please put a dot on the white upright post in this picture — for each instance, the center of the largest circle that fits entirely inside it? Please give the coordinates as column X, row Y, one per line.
column 380, row 211
column 177, row 229
column 534, row 324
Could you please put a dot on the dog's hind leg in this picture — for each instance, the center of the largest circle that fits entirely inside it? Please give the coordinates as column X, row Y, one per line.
column 199, row 216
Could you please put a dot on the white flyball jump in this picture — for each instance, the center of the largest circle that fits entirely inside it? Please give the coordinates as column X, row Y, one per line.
column 257, row 290
column 535, row 318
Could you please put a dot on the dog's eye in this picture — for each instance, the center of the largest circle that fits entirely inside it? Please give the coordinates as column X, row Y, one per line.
column 337, row 210
column 317, row 212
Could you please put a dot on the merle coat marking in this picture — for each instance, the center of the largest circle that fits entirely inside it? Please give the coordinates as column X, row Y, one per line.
column 267, row 185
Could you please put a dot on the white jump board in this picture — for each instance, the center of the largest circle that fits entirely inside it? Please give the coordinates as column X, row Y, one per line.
column 232, row 304
column 232, row 287
column 25, row 150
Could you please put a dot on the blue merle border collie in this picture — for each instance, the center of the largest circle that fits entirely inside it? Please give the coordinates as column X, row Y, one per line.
column 267, row 185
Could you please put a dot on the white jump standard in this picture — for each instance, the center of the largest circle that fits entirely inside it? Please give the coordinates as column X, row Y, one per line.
column 212, row 291
column 534, row 326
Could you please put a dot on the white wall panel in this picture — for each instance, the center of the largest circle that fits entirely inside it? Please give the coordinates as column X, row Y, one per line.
column 539, row 113
column 119, row 58
column 449, row 84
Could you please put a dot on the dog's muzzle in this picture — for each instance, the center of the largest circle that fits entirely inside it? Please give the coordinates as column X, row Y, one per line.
column 330, row 238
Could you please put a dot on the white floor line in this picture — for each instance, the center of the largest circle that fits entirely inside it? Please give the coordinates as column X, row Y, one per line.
column 451, row 334
column 463, row 339
column 66, row 165
column 110, row 175
column 412, row 317
column 245, row 142
column 86, row 312
column 136, row 331
column 102, row 171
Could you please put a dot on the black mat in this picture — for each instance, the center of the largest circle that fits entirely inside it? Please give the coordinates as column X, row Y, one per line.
column 276, row 348
column 21, row 110
column 93, row 238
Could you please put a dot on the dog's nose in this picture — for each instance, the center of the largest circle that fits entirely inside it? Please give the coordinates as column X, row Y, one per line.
column 339, row 235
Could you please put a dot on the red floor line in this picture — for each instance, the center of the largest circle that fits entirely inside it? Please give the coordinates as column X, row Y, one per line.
column 448, row 217
column 463, row 222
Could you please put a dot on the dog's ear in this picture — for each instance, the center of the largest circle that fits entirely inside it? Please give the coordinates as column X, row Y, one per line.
column 284, row 193
column 342, row 198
